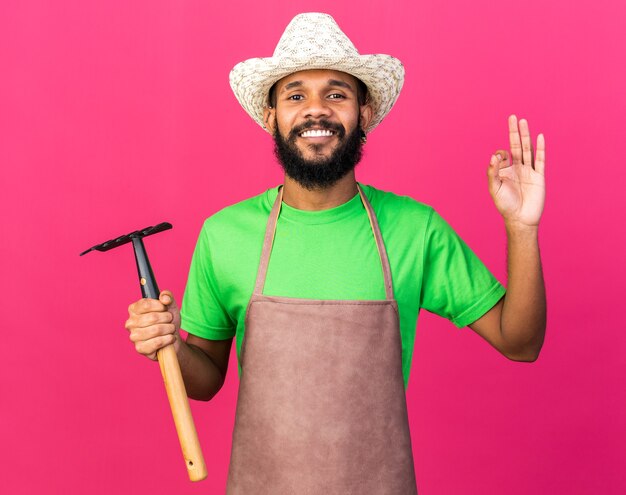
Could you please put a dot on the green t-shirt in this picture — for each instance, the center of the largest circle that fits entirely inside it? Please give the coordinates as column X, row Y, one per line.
column 331, row 254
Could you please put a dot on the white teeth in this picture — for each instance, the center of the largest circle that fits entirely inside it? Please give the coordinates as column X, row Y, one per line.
column 317, row 133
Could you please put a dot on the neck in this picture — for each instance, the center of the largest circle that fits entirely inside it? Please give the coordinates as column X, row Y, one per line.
column 301, row 198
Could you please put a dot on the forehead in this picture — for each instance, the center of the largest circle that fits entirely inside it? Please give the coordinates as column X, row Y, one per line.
column 317, row 76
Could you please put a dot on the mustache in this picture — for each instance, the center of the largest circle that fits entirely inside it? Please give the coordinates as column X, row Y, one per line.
column 323, row 124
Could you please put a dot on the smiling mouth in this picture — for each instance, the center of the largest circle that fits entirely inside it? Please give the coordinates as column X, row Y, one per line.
column 317, row 133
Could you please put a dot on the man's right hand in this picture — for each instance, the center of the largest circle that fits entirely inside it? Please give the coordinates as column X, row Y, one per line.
column 154, row 324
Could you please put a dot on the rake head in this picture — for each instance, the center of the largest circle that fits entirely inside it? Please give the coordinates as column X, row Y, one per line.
column 124, row 239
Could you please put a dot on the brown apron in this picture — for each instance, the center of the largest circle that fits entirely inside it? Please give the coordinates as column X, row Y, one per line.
column 322, row 406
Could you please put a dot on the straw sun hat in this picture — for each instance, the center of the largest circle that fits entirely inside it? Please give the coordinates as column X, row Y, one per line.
column 315, row 41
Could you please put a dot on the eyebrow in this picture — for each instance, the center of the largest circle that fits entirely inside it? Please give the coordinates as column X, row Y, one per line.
column 341, row 84
column 293, row 84
column 331, row 82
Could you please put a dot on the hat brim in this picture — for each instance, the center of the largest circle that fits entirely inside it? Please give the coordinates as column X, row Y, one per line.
column 383, row 75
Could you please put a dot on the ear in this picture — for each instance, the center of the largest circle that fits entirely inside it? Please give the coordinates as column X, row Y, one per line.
column 269, row 119
column 366, row 115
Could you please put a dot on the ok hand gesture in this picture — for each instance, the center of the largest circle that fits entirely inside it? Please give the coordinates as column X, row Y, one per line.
column 518, row 186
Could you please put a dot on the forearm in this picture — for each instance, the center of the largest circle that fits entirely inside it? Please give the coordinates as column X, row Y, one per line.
column 523, row 319
column 202, row 377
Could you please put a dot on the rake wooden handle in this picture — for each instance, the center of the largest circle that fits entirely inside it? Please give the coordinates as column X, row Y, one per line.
column 185, row 427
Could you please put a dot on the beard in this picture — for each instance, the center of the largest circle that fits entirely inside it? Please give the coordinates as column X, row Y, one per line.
column 321, row 172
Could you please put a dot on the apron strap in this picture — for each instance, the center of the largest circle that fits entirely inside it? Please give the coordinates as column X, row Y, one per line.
column 269, row 241
column 380, row 245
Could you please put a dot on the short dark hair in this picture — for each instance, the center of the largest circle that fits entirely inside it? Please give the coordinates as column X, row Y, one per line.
column 361, row 93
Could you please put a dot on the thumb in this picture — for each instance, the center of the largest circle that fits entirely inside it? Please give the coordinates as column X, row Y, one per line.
column 493, row 175
column 167, row 298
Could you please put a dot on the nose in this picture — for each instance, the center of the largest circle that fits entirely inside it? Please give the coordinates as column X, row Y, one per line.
column 316, row 107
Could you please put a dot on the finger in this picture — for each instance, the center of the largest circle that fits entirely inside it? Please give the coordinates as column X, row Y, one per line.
column 154, row 318
column 503, row 155
column 148, row 319
column 493, row 176
column 514, row 140
column 149, row 347
column 527, row 152
column 145, row 334
column 540, row 158
column 145, row 305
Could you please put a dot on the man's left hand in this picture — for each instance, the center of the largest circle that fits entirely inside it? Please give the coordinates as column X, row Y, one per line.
column 518, row 186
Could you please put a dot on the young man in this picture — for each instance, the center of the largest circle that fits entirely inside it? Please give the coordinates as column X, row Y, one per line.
column 321, row 280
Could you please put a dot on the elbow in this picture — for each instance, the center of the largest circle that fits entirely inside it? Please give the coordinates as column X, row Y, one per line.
column 523, row 358
column 528, row 349
column 205, row 391
column 527, row 354
column 205, row 395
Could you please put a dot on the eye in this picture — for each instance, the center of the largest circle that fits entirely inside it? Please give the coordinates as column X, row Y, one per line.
column 336, row 96
column 295, row 97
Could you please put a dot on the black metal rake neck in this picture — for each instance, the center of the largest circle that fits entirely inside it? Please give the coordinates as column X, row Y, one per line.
column 147, row 281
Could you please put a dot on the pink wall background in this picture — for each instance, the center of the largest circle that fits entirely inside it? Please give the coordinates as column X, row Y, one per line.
column 117, row 115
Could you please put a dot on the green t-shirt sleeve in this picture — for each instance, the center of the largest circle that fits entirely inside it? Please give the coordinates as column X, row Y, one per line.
column 202, row 312
column 456, row 284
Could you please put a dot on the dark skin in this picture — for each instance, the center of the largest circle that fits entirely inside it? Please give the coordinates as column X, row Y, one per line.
column 515, row 326
column 154, row 324
column 315, row 95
